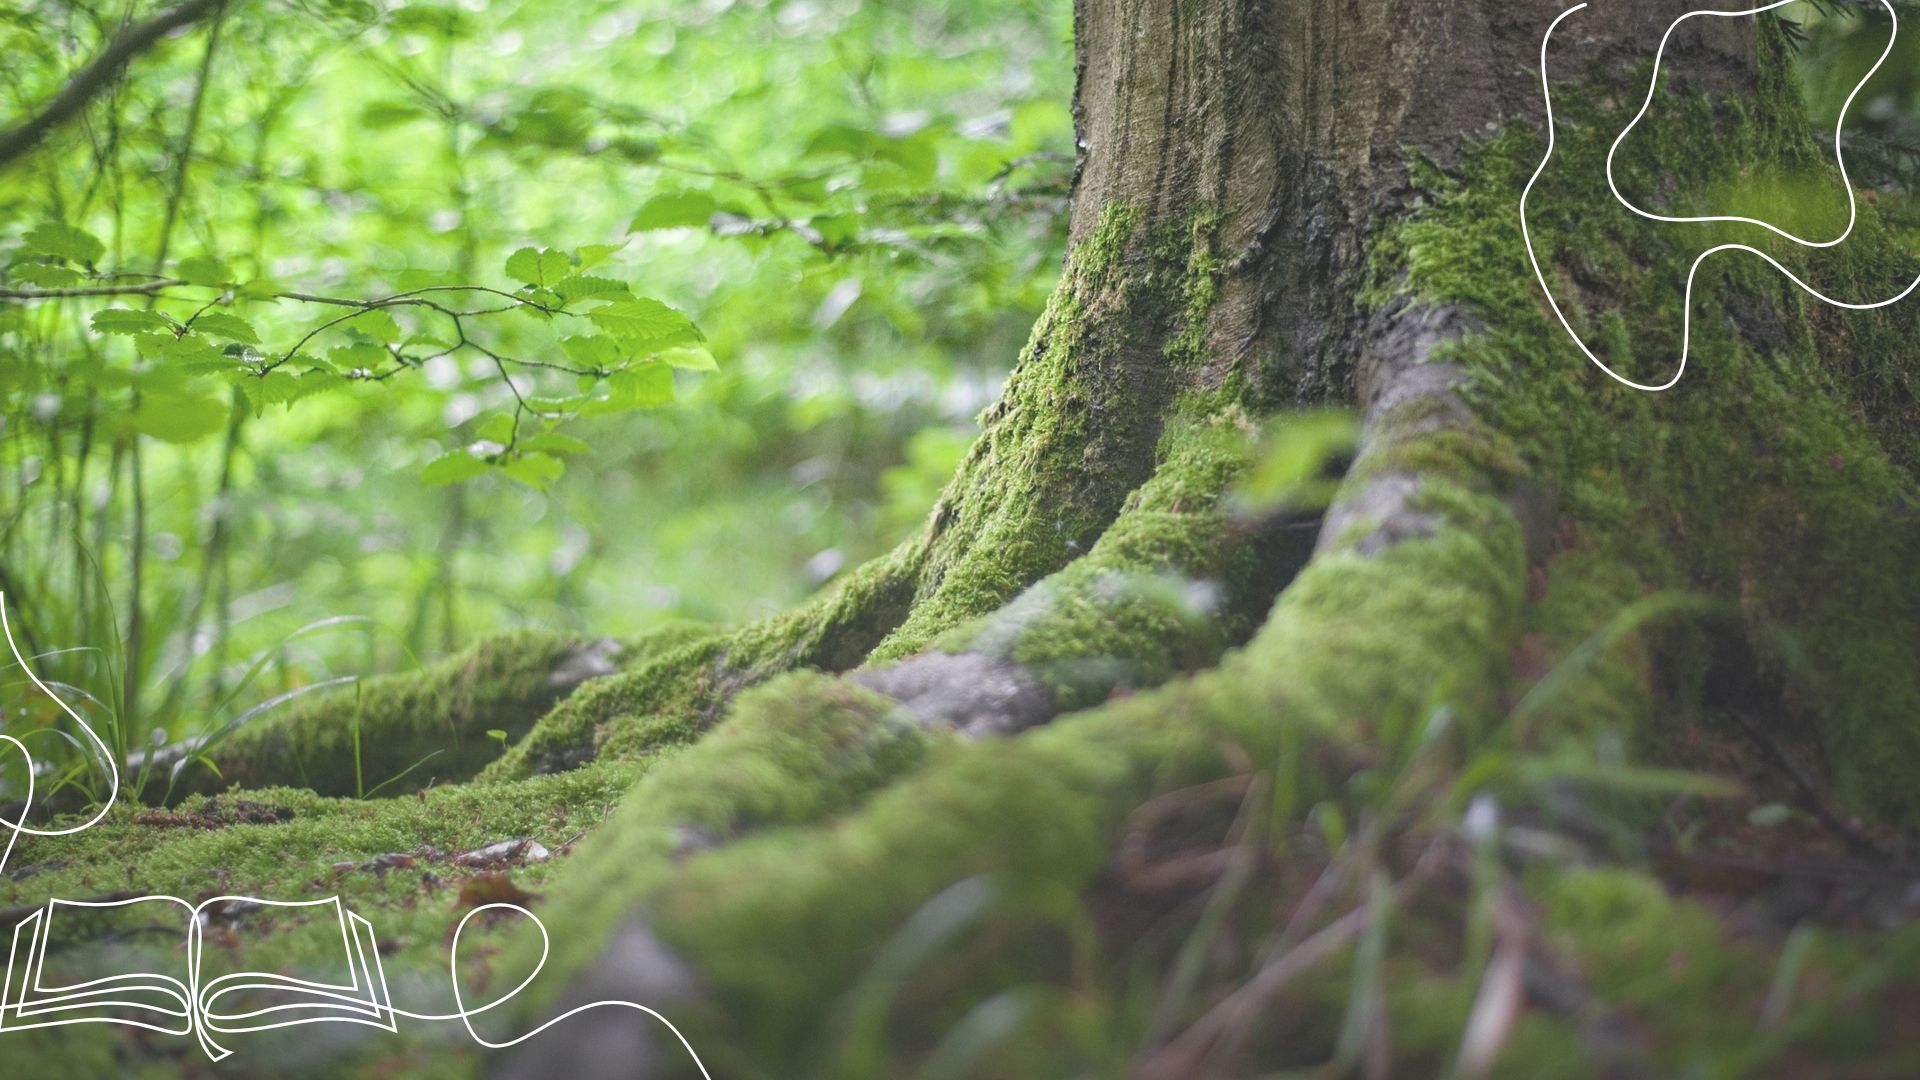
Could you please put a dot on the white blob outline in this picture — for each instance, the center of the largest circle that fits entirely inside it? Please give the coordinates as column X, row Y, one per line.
column 1686, row 334
column 370, row 1006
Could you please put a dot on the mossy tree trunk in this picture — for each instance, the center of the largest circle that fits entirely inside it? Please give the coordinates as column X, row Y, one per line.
column 1095, row 753
column 1312, row 203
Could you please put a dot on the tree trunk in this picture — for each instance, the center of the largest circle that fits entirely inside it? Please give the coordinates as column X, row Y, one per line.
column 1099, row 775
column 1318, row 203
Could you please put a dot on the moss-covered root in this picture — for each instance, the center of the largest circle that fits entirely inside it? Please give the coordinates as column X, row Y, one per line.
column 671, row 698
column 781, row 925
column 1080, row 423
column 395, row 732
column 1171, row 584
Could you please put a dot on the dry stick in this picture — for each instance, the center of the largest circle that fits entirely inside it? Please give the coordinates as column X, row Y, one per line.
column 1235, row 1013
column 89, row 81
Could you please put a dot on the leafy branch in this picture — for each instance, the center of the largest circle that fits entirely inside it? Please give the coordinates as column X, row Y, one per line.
column 625, row 362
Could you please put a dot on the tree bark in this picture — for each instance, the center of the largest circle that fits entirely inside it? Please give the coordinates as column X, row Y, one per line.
column 1263, row 194
column 1095, row 722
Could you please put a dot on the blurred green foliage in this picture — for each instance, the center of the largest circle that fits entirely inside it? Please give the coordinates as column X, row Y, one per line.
column 791, row 235
column 1839, row 41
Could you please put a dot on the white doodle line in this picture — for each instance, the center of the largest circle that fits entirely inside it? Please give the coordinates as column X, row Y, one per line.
column 200, row 999
column 1686, row 333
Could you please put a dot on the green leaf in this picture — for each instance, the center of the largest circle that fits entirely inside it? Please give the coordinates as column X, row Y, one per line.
column 61, row 240
column 357, row 357
column 645, row 325
column 690, row 358
column 580, row 287
column 591, row 352
column 273, row 388
column 45, row 275
column 231, row 327
column 451, row 468
column 553, row 442
column 674, row 210
column 129, row 321
column 203, row 270
column 497, row 427
column 913, row 156
column 592, row 255
column 642, row 386
column 317, row 381
column 1294, row 466
column 541, row 268
column 376, row 324
column 537, row 471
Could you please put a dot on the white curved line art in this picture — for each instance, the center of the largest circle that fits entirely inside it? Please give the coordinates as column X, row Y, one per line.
column 362, row 1000
column 1686, row 333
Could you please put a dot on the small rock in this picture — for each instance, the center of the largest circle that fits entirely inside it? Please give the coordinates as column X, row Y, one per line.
column 506, row 852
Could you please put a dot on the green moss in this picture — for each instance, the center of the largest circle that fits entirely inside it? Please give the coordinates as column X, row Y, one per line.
column 1775, row 475
column 1669, row 967
column 291, row 844
column 1076, row 429
column 1357, row 650
column 1168, row 586
column 434, row 723
column 673, row 697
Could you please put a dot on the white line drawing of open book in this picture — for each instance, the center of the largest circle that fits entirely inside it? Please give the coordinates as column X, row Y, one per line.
column 184, row 1002
column 161, row 1002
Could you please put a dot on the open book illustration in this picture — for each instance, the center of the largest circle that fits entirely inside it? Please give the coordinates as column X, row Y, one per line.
column 120, row 962
column 179, row 993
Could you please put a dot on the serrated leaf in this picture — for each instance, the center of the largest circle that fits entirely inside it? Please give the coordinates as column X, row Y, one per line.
column 552, row 442
column 497, row 427
column 674, row 210
column 188, row 353
column 210, row 362
column 317, row 381
column 273, row 388
column 531, row 267
column 376, row 324
column 592, row 352
column 45, row 275
column 689, row 358
column 592, row 255
column 545, row 298
column 644, row 324
column 642, row 386
column 451, row 468
column 357, row 357
column 129, row 321
column 63, row 241
column 231, row 327
column 203, row 270
column 579, row 287
column 537, row 471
